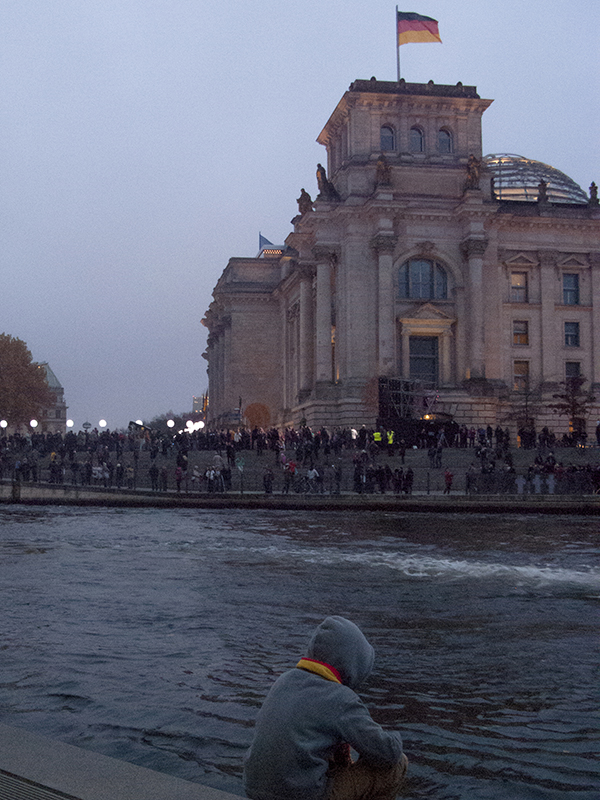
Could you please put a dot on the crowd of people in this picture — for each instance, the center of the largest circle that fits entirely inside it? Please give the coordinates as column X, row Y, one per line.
column 294, row 460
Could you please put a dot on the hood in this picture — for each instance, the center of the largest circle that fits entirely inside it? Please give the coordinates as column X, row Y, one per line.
column 340, row 643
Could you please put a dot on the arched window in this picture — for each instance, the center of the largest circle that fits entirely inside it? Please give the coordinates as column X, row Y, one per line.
column 444, row 141
column 416, row 141
column 421, row 279
column 387, row 138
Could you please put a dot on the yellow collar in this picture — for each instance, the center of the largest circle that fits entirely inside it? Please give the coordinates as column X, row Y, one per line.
column 320, row 668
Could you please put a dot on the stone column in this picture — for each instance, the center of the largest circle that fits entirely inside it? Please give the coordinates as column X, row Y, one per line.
column 473, row 250
column 224, row 360
column 306, row 333
column 286, row 361
column 211, row 358
column 405, row 352
column 226, row 367
column 548, row 338
column 385, row 244
column 445, row 358
column 218, row 356
column 462, row 357
column 324, row 258
column 291, row 386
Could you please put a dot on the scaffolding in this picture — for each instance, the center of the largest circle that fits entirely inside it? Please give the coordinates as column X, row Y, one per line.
column 401, row 399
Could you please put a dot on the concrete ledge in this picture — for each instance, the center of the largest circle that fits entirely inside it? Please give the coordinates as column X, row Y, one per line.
column 458, row 502
column 33, row 767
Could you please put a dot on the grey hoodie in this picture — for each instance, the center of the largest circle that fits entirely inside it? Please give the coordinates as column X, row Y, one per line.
column 305, row 716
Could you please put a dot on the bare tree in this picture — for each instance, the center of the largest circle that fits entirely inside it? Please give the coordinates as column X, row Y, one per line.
column 574, row 402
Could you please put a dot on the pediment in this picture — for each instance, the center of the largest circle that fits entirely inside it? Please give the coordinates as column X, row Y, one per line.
column 572, row 262
column 429, row 311
column 521, row 260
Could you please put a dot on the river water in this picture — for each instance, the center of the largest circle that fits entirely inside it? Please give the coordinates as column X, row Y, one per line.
column 152, row 636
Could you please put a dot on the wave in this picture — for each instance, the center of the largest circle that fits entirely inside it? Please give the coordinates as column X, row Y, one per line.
column 429, row 566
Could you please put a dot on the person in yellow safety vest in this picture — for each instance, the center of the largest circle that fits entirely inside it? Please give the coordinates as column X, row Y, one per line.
column 390, row 443
column 377, row 438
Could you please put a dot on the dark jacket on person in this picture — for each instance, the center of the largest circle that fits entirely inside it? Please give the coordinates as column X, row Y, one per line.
column 310, row 712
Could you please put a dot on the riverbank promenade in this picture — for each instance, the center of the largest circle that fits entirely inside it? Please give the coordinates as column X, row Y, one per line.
column 347, row 481
column 33, row 767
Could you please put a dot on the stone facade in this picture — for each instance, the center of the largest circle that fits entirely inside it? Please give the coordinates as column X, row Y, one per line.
column 54, row 417
column 409, row 272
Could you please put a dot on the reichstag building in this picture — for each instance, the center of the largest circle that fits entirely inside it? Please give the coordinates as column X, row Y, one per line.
column 424, row 279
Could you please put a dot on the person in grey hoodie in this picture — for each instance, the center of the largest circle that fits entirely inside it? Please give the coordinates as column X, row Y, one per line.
column 311, row 718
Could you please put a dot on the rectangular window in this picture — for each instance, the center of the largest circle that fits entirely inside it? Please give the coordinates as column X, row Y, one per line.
column 423, row 352
column 572, row 369
column 420, row 279
column 520, row 331
column 571, row 334
column 570, row 289
column 518, row 287
column 520, row 376
column 444, row 141
column 387, row 138
column 416, row 140
column 427, row 280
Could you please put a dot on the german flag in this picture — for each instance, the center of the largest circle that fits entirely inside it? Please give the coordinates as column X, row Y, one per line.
column 416, row 28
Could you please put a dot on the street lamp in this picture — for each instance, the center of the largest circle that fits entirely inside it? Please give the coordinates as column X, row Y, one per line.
column 70, row 423
column 170, row 423
column 34, row 423
column 194, row 426
column 3, row 423
column 102, row 423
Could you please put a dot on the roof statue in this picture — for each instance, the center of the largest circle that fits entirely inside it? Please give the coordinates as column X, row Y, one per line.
column 327, row 190
column 383, row 174
column 305, row 202
column 593, row 194
column 473, row 172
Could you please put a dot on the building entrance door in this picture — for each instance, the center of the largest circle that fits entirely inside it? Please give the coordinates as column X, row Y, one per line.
column 423, row 351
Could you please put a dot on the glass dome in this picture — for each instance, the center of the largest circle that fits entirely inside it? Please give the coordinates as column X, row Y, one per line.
column 518, row 178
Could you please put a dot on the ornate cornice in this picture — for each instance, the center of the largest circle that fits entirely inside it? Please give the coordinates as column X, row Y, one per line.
column 425, row 248
column 384, row 242
column 305, row 272
column 503, row 222
column 473, row 248
column 293, row 312
column 594, row 259
column 547, row 258
column 325, row 252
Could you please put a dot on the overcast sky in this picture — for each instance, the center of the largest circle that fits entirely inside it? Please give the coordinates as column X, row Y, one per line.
column 144, row 142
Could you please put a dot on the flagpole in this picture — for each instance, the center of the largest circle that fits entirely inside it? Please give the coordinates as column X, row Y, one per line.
column 397, row 46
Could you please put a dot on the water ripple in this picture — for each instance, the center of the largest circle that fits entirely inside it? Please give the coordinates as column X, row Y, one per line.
column 153, row 636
